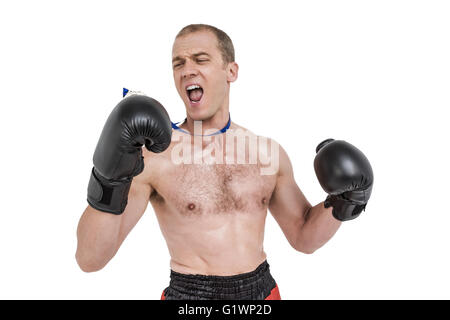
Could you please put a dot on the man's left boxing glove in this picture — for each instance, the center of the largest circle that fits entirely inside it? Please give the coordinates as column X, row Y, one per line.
column 346, row 175
column 136, row 121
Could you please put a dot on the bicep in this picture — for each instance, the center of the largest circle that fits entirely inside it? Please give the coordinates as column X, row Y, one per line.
column 288, row 205
column 138, row 198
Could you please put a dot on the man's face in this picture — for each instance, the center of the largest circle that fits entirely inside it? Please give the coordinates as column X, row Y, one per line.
column 201, row 78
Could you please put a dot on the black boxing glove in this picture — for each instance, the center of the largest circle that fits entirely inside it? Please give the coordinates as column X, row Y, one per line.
column 136, row 121
column 345, row 174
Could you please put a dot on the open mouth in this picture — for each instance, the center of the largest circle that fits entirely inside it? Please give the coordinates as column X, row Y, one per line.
column 194, row 93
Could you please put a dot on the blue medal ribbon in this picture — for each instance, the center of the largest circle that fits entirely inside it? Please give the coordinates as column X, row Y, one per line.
column 223, row 130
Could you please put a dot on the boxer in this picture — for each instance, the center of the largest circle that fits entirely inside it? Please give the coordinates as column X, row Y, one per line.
column 211, row 201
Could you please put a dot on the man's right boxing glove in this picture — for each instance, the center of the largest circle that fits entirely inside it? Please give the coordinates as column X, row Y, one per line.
column 346, row 175
column 136, row 121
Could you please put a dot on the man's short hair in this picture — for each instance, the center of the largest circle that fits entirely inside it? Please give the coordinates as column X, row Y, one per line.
column 224, row 43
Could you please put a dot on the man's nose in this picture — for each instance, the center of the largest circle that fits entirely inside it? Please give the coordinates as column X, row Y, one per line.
column 189, row 70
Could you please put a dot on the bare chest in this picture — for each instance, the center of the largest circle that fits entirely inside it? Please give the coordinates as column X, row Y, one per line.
column 214, row 189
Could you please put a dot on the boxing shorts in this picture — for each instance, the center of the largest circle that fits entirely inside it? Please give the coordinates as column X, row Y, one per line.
column 254, row 285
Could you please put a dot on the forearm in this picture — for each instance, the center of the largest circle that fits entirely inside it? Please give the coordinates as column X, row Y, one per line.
column 98, row 238
column 318, row 228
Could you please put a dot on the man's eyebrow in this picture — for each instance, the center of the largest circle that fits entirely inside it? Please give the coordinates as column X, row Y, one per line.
column 177, row 59
column 195, row 55
column 200, row 54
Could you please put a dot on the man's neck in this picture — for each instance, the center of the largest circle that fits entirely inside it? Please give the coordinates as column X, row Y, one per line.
column 208, row 126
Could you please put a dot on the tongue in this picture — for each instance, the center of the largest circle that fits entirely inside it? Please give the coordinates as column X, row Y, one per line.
column 196, row 94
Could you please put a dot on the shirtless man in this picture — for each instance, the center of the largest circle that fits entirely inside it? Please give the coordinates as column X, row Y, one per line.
column 210, row 199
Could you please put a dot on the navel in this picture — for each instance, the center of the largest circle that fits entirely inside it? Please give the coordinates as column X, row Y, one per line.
column 264, row 200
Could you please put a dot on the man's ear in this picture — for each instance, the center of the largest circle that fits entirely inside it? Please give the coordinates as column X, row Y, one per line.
column 232, row 71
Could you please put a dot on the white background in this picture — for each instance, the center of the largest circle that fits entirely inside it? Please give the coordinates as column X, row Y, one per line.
column 375, row 73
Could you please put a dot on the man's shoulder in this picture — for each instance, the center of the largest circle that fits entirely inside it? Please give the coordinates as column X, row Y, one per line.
column 238, row 129
column 154, row 164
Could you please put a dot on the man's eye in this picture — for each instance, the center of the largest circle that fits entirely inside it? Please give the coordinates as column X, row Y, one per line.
column 202, row 60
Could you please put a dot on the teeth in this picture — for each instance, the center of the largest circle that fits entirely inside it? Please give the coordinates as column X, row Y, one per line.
column 192, row 87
